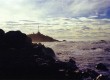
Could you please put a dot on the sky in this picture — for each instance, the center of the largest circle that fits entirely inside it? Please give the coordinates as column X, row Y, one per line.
column 61, row 19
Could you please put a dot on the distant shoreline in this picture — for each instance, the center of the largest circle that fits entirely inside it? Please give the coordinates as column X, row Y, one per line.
column 101, row 41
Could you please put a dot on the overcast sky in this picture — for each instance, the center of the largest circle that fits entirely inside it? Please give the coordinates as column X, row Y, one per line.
column 62, row 19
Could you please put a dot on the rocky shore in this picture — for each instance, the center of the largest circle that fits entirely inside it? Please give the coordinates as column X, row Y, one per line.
column 21, row 59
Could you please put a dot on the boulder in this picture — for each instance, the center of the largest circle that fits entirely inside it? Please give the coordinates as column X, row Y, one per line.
column 72, row 65
column 102, row 77
column 17, row 39
column 89, row 73
column 102, row 67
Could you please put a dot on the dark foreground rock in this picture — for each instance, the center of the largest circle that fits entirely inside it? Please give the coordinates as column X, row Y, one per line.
column 102, row 67
column 102, row 77
column 21, row 59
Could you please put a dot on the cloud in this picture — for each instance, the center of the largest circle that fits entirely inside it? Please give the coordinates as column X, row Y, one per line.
column 35, row 9
column 55, row 17
column 27, row 21
column 73, row 8
column 11, row 22
column 86, row 28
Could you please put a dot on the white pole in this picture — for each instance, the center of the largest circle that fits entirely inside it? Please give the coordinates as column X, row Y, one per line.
column 38, row 28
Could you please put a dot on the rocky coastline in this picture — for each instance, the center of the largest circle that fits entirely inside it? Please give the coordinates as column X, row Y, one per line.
column 22, row 59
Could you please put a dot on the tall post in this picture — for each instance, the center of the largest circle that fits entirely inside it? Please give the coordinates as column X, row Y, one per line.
column 38, row 28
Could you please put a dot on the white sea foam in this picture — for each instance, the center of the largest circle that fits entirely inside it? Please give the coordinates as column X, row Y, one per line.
column 86, row 54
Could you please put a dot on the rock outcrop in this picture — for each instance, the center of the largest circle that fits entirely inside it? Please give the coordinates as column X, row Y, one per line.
column 38, row 37
column 102, row 67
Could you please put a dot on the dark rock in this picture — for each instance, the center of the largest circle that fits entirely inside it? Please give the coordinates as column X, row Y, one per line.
column 93, row 74
column 59, row 53
column 16, row 39
column 102, row 67
column 103, row 41
column 49, row 52
column 89, row 73
column 100, row 42
column 64, row 40
column 2, row 33
column 93, row 48
column 75, row 75
column 102, row 77
column 85, row 74
column 71, row 65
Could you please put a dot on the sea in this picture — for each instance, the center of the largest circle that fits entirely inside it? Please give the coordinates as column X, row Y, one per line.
column 87, row 54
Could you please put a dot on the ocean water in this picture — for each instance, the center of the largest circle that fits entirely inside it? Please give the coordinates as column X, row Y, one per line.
column 86, row 54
